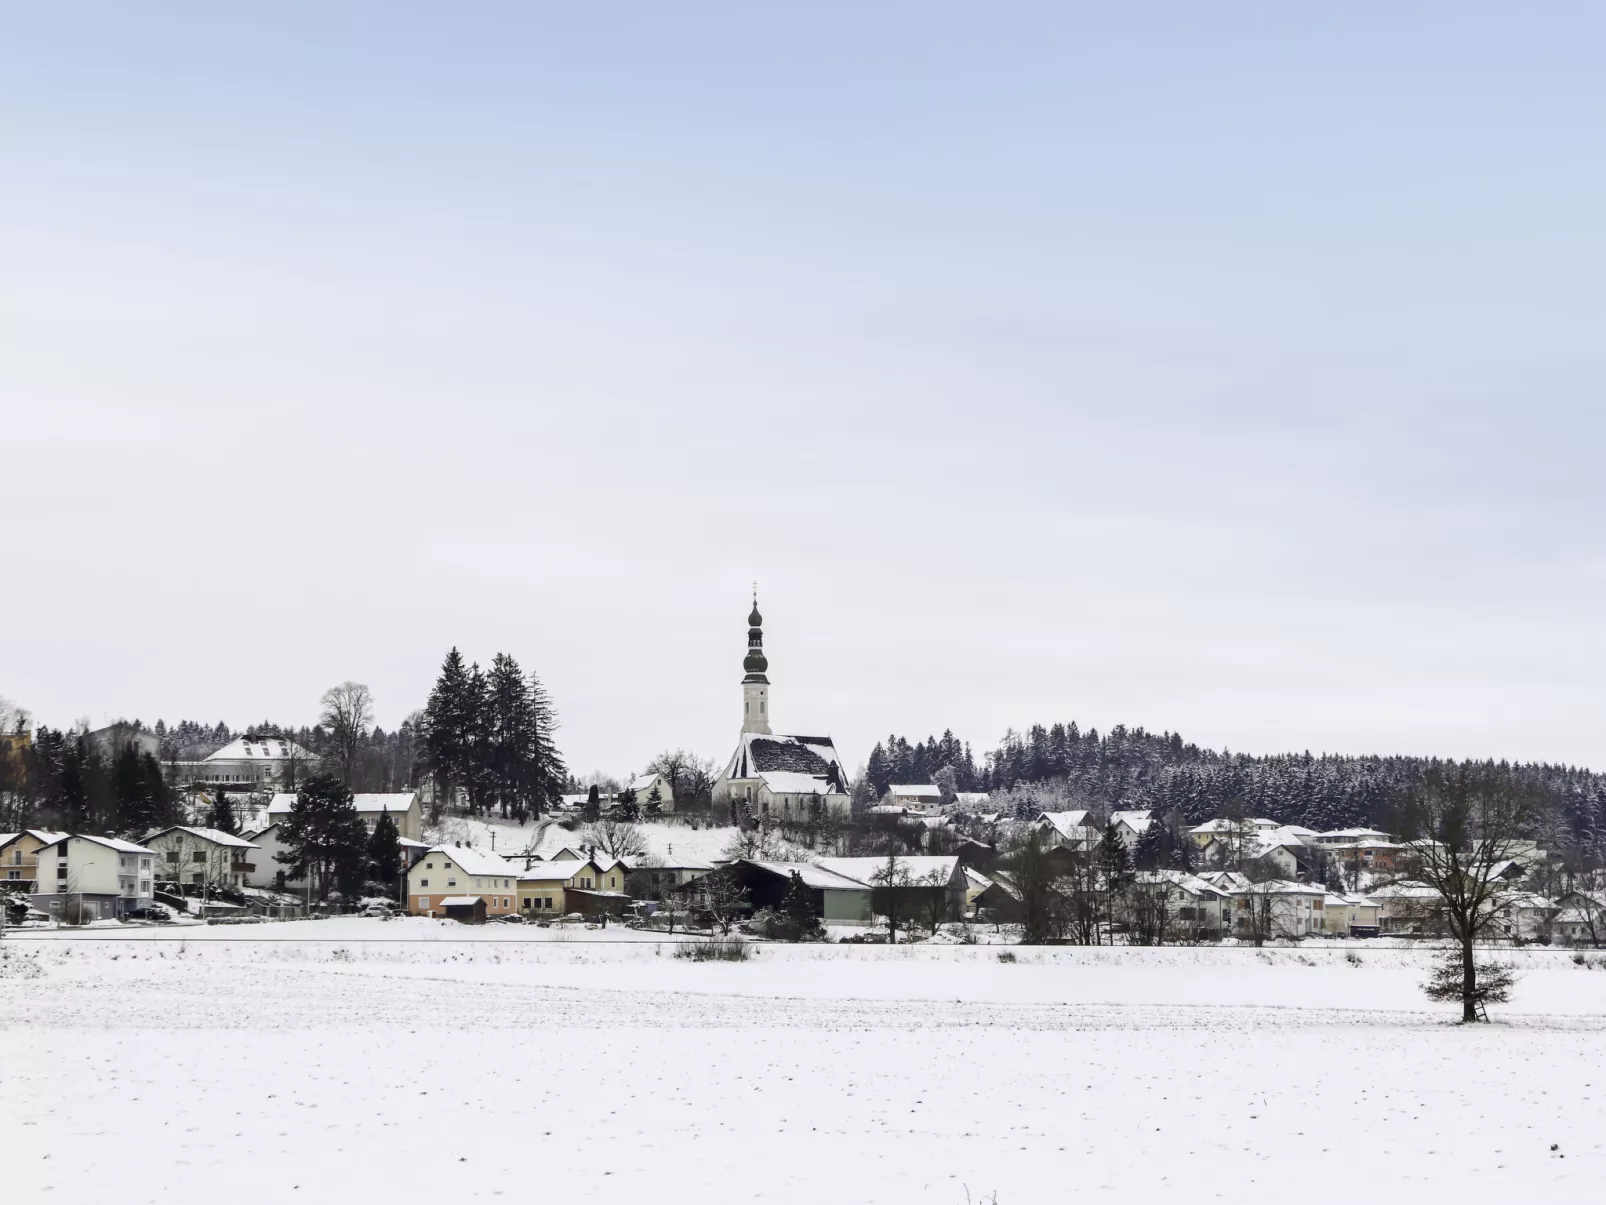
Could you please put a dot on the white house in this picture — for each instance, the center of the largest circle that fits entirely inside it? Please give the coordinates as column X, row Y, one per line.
column 203, row 857
column 403, row 807
column 644, row 784
column 250, row 762
column 781, row 777
column 913, row 794
column 1130, row 825
column 1070, row 829
column 451, row 870
column 95, row 877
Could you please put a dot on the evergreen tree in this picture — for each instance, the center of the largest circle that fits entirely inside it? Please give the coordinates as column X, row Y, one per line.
column 593, row 805
column 655, row 803
column 798, row 907
column 221, row 816
column 447, row 728
column 627, row 809
column 323, row 836
column 385, row 851
column 1113, row 858
column 550, row 772
column 1149, row 849
column 511, row 771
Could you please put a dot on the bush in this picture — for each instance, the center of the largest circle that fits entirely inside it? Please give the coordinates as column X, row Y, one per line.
column 718, row 949
column 1006, row 956
column 778, row 926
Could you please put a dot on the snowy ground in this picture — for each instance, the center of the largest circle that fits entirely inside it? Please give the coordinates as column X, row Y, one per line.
column 409, row 1059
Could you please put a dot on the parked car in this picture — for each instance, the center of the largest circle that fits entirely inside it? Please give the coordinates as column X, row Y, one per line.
column 383, row 911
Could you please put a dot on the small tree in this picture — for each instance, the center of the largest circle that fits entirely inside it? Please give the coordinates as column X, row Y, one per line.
column 1038, row 883
column 889, row 883
column 655, row 803
column 798, row 907
column 221, row 816
column 627, row 809
column 384, row 851
column 616, row 838
column 593, row 805
column 723, row 896
column 1466, row 822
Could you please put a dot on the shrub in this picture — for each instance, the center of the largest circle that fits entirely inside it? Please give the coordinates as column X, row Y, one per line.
column 1006, row 956
column 718, row 949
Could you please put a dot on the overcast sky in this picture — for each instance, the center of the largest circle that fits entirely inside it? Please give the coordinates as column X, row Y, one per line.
column 1235, row 370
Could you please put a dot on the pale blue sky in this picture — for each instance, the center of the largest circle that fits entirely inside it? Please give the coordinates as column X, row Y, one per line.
column 1230, row 369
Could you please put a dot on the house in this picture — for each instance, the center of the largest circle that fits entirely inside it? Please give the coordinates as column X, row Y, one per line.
column 785, row 777
column 913, row 795
column 1000, row 901
column 1281, row 847
column 1222, row 828
column 452, row 870
column 267, row 871
column 1349, row 836
column 1130, row 825
column 19, row 857
column 1363, row 853
column 1407, row 907
column 83, row 878
column 653, row 879
column 836, row 898
column 1350, row 916
column 976, row 885
column 1193, row 907
column 1073, row 830
column 1580, row 918
column 249, row 762
column 917, row 879
column 203, row 857
column 112, row 739
column 403, row 806
column 1525, row 916
column 1275, row 908
column 563, row 885
column 645, row 784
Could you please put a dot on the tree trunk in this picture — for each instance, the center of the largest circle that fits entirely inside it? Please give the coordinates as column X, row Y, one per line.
column 1469, row 983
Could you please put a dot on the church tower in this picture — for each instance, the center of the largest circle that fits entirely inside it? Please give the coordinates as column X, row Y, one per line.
column 755, row 686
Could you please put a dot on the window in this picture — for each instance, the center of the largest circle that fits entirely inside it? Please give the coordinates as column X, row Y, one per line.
column 172, row 855
column 198, row 856
column 423, row 882
column 423, row 903
column 429, row 866
column 451, row 882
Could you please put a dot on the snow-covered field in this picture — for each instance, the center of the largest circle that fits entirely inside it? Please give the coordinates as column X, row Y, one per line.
column 414, row 1060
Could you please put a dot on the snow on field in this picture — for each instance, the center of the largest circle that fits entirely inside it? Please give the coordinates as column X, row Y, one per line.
column 242, row 1064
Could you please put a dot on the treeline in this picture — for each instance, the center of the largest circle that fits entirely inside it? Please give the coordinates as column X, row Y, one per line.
column 1059, row 766
column 382, row 761
column 66, row 782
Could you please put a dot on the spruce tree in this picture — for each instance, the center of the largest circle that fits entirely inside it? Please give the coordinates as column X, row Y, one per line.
column 627, row 808
column 446, row 724
column 593, row 805
column 384, row 851
column 221, row 816
column 1148, row 850
column 323, row 836
column 655, row 803
column 798, row 907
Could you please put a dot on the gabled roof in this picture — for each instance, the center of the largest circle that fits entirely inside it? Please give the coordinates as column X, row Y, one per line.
column 813, row 876
column 919, row 790
column 42, row 835
column 759, row 752
column 1138, row 819
column 473, row 861
column 1067, row 824
column 214, row 835
column 366, row 802
column 117, row 843
column 267, row 748
column 790, row 782
column 552, row 872
column 921, row 868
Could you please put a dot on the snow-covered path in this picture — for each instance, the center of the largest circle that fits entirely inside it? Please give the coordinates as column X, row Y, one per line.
column 255, row 1072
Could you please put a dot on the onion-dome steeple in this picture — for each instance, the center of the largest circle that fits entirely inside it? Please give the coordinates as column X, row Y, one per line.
column 755, row 686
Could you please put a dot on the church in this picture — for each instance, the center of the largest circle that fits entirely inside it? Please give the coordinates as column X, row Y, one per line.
column 779, row 777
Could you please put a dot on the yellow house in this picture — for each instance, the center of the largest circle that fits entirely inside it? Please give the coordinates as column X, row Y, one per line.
column 19, row 857
column 454, row 871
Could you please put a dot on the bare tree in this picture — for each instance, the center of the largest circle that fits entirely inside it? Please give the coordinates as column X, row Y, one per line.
column 889, row 884
column 616, row 838
column 1464, row 823
column 722, row 895
column 348, row 714
column 1150, row 902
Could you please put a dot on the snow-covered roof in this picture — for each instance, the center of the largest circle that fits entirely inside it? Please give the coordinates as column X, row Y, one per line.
column 1406, row 890
column 1223, row 825
column 215, row 835
column 551, row 872
column 759, row 752
column 916, row 790
column 1138, row 819
column 365, row 803
column 472, row 861
column 920, row 868
column 42, row 835
column 409, row 843
column 976, row 879
column 813, row 876
column 971, row 798
column 460, row 901
column 265, row 748
column 1352, row 834
column 790, row 782
column 642, row 784
column 1071, row 825
column 1183, row 881
column 117, row 843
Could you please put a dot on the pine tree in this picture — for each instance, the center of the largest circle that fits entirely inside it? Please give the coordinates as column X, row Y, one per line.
column 222, row 814
column 550, row 772
column 655, row 803
column 447, row 726
column 323, row 836
column 384, row 851
column 593, row 806
column 1113, row 857
column 798, row 907
column 627, row 809
column 1149, row 849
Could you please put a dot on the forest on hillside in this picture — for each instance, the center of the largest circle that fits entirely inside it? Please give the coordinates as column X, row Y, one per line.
column 1059, row 766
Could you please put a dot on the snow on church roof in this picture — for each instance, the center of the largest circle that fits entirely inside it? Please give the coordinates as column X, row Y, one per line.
column 761, row 755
